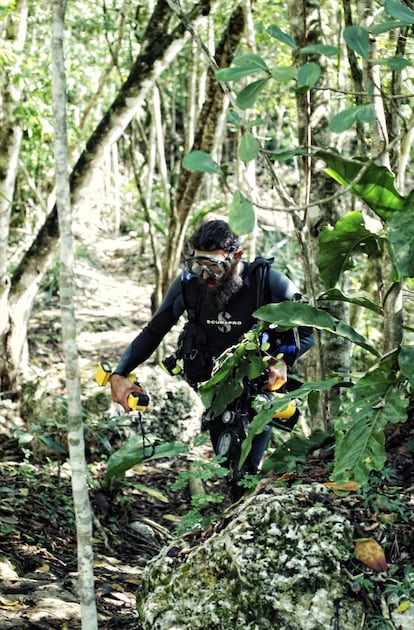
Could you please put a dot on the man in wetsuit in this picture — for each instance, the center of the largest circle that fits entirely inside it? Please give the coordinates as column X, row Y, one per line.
column 226, row 296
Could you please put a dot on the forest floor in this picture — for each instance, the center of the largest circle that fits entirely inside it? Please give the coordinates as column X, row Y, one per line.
column 38, row 562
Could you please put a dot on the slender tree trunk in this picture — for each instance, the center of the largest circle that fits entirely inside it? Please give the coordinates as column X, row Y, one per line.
column 83, row 512
column 332, row 353
column 159, row 48
column 189, row 182
column 13, row 30
column 392, row 301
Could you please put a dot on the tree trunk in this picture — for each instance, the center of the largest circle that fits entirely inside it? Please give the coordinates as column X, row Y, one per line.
column 14, row 30
column 332, row 353
column 158, row 50
column 189, row 182
column 82, row 507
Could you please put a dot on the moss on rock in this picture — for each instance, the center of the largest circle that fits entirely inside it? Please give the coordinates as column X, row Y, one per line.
column 276, row 564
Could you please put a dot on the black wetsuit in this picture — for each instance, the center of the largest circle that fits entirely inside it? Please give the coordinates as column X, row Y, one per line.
column 222, row 329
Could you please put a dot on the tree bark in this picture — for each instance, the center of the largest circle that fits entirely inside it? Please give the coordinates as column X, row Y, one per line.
column 189, row 182
column 331, row 353
column 82, row 507
column 13, row 29
column 159, row 49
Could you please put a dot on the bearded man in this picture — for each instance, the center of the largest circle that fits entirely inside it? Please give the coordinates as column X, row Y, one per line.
column 219, row 292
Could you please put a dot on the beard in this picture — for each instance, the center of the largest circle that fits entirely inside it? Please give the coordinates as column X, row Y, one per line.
column 219, row 292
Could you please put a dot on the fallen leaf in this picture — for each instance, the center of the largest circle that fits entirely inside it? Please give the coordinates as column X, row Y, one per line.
column 346, row 486
column 45, row 568
column 370, row 553
column 405, row 605
column 11, row 604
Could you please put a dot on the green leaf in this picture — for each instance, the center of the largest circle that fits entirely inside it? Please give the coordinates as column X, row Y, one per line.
column 226, row 75
column 384, row 27
column 133, row 452
column 267, row 409
column 308, row 76
column 53, row 444
column 281, row 36
column 375, row 186
column 251, row 60
column 248, row 95
column 243, row 66
column 406, row 362
column 295, row 450
column 357, row 38
column 287, row 154
column 241, row 216
column 399, row 11
column 200, row 161
column 289, row 314
column 233, row 117
column 235, row 364
column 401, row 235
column 377, row 401
column 249, row 147
column 319, row 49
column 335, row 295
column 339, row 244
column 283, row 73
column 395, row 63
column 345, row 119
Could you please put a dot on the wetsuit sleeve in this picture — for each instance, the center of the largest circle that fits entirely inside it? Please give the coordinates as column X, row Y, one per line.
column 282, row 289
column 151, row 336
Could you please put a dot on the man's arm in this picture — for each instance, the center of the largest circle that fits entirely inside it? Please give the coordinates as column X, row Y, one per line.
column 146, row 343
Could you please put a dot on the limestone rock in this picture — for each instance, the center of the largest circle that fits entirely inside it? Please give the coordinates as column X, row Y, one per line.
column 275, row 564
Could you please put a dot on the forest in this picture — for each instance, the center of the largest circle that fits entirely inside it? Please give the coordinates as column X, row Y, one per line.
column 122, row 127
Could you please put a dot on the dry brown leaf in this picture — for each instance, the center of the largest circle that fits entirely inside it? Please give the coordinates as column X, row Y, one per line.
column 346, row 486
column 370, row 553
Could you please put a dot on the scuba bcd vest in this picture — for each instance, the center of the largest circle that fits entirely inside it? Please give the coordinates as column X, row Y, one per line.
column 192, row 347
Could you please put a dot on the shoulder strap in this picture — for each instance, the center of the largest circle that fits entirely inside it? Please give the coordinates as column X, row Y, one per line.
column 260, row 268
column 191, row 295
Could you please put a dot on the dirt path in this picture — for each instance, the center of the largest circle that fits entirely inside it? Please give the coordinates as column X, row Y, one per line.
column 37, row 537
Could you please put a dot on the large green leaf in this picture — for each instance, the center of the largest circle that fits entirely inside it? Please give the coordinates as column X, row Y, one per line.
column 399, row 11
column 337, row 245
column 200, row 161
column 360, row 444
column 289, row 314
column 345, row 119
column 283, row 73
column 406, row 362
column 319, row 49
column 401, row 235
column 384, row 27
column 394, row 63
column 280, row 35
column 247, row 96
column 133, row 452
column 243, row 66
column 241, row 216
column 308, row 76
column 357, row 38
column 375, row 186
column 295, row 449
column 335, row 295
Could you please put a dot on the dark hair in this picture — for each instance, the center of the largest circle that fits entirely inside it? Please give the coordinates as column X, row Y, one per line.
column 214, row 235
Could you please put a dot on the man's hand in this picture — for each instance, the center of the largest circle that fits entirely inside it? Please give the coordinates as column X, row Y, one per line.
column 121, row 388
column 277, row 375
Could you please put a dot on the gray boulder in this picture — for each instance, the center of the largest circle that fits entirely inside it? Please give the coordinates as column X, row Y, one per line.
column 276, row 563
